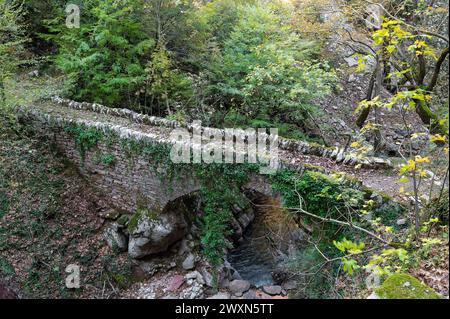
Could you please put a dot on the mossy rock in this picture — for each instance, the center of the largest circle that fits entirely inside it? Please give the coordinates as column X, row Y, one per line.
column 112, row 214
column 404, row 286
column 123, row 220
column 134, row 220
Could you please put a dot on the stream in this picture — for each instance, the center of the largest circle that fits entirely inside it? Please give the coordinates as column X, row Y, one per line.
column 252, row 259
column 256, row 258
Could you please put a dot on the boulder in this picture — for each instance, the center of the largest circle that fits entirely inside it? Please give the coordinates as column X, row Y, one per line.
column 189, row 262
column 272, row 290
column 207, row 277
column 220, row 295
column 196, row 276
column 175, row 283
column 238, row 287
column 404, row 286
column 154, row 234
column 289, row 285
column 237, row 233
column 115, row 238
column 184, row 247
column 340, row 156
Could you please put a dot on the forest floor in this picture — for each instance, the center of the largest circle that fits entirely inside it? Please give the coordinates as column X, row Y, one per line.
column 52, row 218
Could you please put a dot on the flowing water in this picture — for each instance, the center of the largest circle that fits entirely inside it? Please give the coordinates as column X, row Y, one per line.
column 253, row 260
column 256, row 257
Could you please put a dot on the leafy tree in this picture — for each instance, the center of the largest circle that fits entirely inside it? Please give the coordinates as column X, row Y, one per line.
column 410, row 47
column 35, row 12
column 105, row 58
column 166, row 86
column 261, row 69
column 167, row 24
column 12, row 41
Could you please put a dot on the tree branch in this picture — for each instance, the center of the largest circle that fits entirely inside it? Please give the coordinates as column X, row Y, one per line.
column 339, row 222
column 434, row 34
column 437, row 70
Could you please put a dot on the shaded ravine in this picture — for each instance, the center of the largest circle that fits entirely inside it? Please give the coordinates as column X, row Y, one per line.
column 252, row 259
column 265, row 240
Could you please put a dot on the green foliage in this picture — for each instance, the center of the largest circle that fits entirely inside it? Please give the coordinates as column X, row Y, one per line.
column 185, row 61
column 349, row 247
column 439, row 208
column 6, row 269
column 108, row 159
column 105, row 57
column 119, row 271
column 220, row 190
column 318, row 285
column 262, row 70
column 168, row 88
column 85, row 138
column 346, row 245
column 12, row 41
column 324, row 195
column 349, row 265
column 389, row 213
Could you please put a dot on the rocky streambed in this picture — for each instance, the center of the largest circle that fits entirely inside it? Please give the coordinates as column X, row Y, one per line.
column 166, row 254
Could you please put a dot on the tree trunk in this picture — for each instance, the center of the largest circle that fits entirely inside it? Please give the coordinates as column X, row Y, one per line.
column 2, row 92
column 430, row 118
column 365, row 112
column 379, row 76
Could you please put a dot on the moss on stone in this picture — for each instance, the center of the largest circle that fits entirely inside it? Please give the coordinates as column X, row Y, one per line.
column 404, row 286
column 313, row 167
column 134, row 220
column 123, row 220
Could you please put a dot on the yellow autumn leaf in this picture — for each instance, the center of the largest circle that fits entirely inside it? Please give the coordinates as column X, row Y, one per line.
column 420, row 159
column 404, row 180
column 402, row 190
column 437, row 138
column 408, row 167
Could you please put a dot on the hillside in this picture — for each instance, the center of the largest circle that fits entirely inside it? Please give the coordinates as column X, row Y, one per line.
column 224, row 149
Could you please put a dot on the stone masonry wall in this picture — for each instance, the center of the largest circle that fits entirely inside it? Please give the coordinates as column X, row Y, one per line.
column 340, row 155
column 128, row 183
column 131, row 181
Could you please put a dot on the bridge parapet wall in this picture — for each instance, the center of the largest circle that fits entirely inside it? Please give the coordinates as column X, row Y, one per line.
column 340, row 155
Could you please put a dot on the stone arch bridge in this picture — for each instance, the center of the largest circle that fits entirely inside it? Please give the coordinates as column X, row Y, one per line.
column 127, row 182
